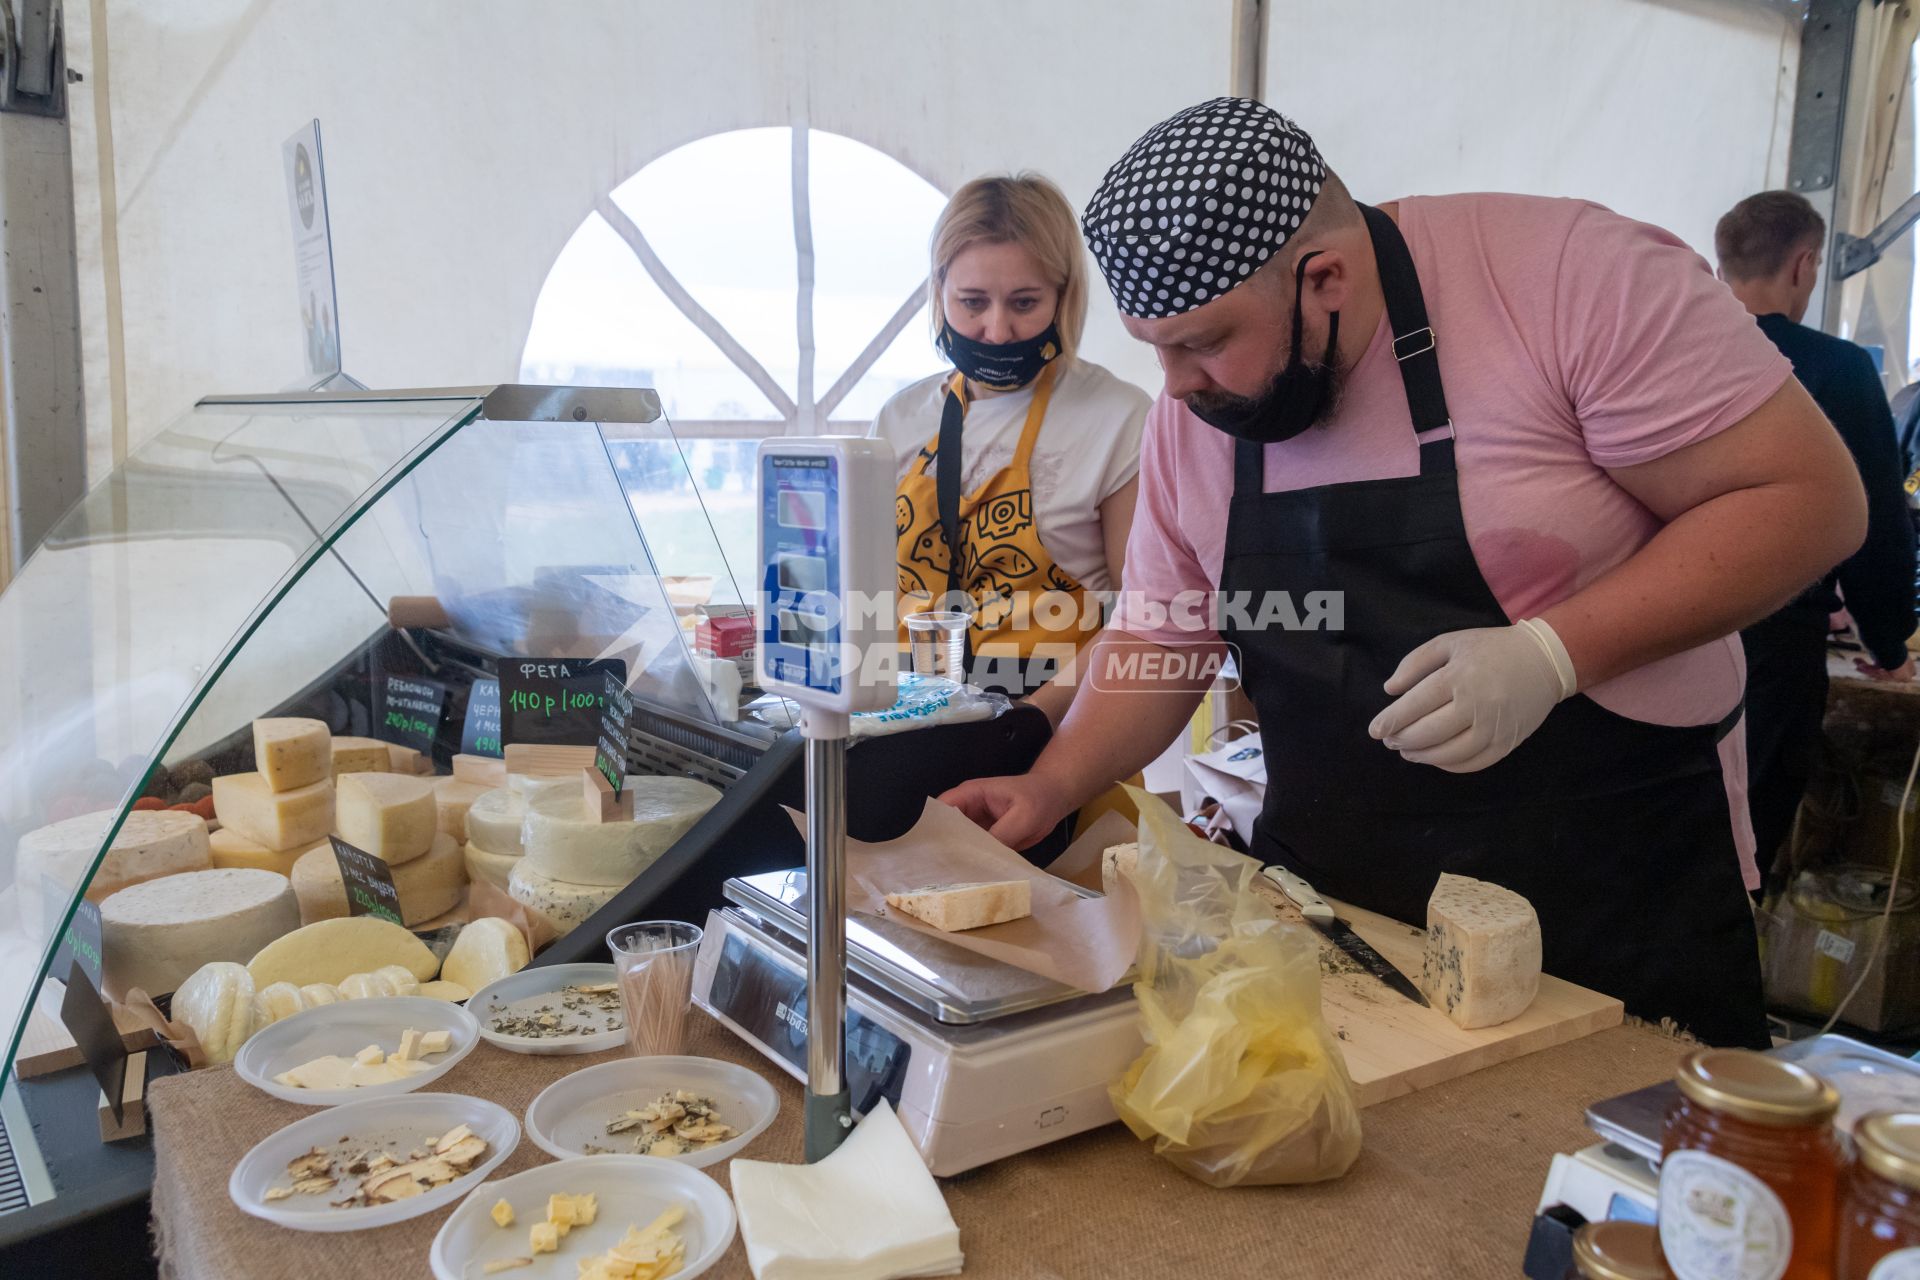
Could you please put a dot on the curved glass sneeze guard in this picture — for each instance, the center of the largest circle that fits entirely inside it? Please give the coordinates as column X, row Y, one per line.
column 242, row 564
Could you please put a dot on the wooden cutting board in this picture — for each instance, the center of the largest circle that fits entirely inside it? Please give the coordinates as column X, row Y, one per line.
column 1394, row 1046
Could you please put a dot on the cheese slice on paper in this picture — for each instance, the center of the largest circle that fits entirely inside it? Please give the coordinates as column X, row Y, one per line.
column 274, row 819
column 1481, row 965
column 291, row 752
column 389, row 815
column 952, row 908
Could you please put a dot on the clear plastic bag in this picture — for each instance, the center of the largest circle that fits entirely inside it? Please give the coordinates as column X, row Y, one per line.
column 1241, row 1082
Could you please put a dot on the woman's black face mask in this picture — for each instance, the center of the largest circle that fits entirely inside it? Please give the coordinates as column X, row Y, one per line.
column 1296, row 398
column 1000, row 366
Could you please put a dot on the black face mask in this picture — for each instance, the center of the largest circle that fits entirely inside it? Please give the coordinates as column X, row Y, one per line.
column 1001, row 366
column 1293, row 401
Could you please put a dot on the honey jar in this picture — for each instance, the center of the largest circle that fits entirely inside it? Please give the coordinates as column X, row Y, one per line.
column 1618, row 1251
column 1879, row 1227
column 1750, row 1170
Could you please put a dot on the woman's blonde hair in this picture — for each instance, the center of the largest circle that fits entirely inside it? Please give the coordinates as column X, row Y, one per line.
column 1023, row 209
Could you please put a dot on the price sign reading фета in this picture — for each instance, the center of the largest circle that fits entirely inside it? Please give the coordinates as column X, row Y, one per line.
column 555, row 701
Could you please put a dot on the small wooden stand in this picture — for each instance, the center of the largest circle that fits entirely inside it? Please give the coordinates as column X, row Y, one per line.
column 133, row 1103
column 603, row 805
column 539, row 760
column 486, row 771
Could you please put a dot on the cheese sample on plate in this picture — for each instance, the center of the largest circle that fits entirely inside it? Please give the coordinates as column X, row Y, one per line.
column 291, row 752
column 331, row 950
column 231, row 849
column 486, row 951
column 493, row 868
column 953, row 908
column 562, row 843
column 217, row 1002
column 150, row 844
column 155, row 934
column 1481, row 966
column 274, row 819
column 428, row 886
column 494, row 820
column 360, row 755
column 560, row 904
column 388, row 815
column 451, row 800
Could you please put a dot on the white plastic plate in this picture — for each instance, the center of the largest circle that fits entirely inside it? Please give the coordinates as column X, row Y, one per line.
column 632, row 1190
column 571, row 1114
column 397, row 1125
column 345, row 1029
column 521, row 992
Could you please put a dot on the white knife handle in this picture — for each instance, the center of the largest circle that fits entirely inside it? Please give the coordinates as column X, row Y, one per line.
column 1311, row 904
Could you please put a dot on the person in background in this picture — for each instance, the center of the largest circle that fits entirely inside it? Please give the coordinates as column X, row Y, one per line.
column 1769, row 247
column 1022, row 452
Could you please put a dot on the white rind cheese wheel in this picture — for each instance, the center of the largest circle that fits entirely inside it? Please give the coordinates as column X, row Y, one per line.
column 292, row 753
column 154, row 935
column 494, row 821
column 330, row 950
column 562, row 844
column 1481, row 965
column 452, row 798
column 486, row 951
column 492, row 868
column 360, row 755
column 150, row 844
column 273, row 819
column 231, row 849
column 560, row 904
column 217, row 1002
column 281, row 1000
column 388, row 815
column 428, row 886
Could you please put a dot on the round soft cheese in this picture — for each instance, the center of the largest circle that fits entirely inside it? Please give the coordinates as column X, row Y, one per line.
column 563, row 844
column 428, row 886
column 560, row 904
column 154, row 935
column 150, row 843
column 494, row 820
column 217, row 1002
column 490, row 868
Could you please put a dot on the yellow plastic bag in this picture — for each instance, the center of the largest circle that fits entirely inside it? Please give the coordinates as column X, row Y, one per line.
column 1241, row 1082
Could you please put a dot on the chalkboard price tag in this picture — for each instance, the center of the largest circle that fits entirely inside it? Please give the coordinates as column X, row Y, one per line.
column 80, row 939
column 555, row 701
column 610, row 749
column 369, row 883
column 91, row 1026
column 410, row 712
column 481, row 735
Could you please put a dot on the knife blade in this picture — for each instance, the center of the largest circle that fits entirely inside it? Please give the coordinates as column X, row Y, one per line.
column 1320, row 914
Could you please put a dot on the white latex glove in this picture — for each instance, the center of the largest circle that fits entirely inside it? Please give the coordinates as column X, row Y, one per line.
column 1467, row 698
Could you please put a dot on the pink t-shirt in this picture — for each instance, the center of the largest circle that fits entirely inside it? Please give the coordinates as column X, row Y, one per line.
column 1570, row 340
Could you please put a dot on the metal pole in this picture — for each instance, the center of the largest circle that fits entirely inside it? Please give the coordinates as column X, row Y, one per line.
column 1247, row 49
column 829, row 1110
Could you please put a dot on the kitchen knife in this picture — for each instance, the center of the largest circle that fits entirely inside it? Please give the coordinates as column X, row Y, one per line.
column 1320, row 915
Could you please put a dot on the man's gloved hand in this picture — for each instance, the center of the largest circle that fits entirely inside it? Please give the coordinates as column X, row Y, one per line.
column 1465, row 699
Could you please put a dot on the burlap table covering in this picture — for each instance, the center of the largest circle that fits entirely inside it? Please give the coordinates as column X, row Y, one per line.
column 1445, row 1187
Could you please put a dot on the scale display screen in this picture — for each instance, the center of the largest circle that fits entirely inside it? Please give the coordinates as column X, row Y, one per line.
column 800, row 537
column 801, row 508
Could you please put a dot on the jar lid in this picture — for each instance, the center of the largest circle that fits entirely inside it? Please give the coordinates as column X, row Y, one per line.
column 1753, row 1087
column 1888, row 1143
column 1619, row 1251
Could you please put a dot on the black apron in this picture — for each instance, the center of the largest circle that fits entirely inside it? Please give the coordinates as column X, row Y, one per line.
column 1617, row 831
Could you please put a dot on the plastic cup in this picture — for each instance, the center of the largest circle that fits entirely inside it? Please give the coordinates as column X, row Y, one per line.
column 937, row 643
column 654, row 960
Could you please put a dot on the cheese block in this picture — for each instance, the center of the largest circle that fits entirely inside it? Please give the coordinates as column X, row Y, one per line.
column 274, row 819
column 150, row 844
column 494, row 821
column 560, row 904
column 402, row 759
column 440, row 989
column 274, row 1002
column 486, row 951
column 330, row 950
column 216, row 1000
column 451, row 800
column 489, row 868
column 388, row 815
column 154, row 935
column 360, row 755
column 488, row 771
column 562, row 843
column 231, row 849
column 292, row 753
column 954, row 907
column 1481, row 966
column 1116, row 862
column 428, row 886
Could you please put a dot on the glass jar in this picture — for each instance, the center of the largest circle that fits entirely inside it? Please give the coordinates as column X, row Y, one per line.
column 1879, row 1228
column 1750, row 1169
column 1618, row 1251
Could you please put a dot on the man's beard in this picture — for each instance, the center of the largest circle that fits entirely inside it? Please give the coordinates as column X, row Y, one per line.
column 1225, row 404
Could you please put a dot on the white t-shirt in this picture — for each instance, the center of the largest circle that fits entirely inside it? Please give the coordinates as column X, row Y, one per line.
column 1089, row 447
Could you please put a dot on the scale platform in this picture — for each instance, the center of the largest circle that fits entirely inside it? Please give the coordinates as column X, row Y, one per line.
column 980, row 1060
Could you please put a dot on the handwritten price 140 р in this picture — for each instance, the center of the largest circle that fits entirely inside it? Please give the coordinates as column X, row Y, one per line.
column 548, row 704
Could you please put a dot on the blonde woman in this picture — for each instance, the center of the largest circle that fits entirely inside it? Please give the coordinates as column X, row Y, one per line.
column 1023, row 454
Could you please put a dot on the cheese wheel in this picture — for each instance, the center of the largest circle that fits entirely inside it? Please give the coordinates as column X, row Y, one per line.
column 217, row 1002
column 273, row 819
column 452, row 992
column 402, row 759
column 154, row 935
column 494, row 821
column 490, row 868
column 428, row 886
column 150, row 844
column 231, row 849
column 560, row 904
column 486, row 951
column 563, row 844
column 360, row 755
column 291, row 752
column 277, row 1001
column 1481, row 963
column 388, row 815
column 330, row 950
column 452, row 798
